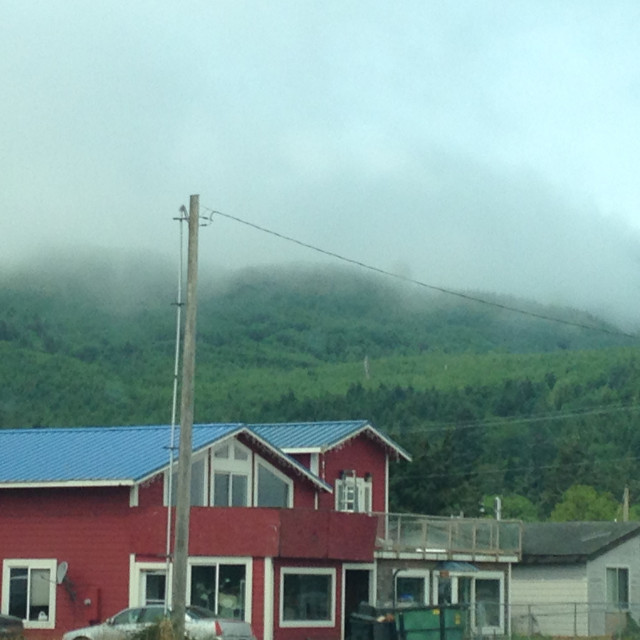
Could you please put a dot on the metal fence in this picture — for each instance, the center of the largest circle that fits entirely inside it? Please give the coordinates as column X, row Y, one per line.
column 574, row 620
column 564, row 620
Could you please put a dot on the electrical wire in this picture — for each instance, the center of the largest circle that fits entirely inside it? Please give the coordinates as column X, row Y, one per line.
column 497, row 422
column 493, row 470
column 419, row 283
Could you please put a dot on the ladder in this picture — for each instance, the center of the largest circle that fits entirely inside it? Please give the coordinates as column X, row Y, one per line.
column 349, row 491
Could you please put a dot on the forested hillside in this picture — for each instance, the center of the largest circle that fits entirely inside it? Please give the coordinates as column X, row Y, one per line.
column 490, row 402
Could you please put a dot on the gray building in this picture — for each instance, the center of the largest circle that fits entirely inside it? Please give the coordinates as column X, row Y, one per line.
column 576, row 578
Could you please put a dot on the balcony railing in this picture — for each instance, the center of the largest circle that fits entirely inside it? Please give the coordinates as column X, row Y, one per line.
column 409, row 533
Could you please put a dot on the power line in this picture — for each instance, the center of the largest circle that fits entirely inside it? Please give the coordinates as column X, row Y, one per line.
column 397, row 276
column 493, row 469
column 498, row 422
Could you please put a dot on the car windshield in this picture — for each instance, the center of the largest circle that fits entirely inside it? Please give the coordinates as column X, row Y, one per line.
column 152, row 614
column 199, row 613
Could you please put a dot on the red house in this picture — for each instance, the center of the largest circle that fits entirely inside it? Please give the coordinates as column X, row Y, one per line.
column 282, row 531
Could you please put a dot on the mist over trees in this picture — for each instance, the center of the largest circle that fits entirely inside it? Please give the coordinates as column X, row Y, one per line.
column 488, row 401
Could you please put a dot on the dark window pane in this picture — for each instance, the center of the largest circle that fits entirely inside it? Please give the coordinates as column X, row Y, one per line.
column 203, row 586
column 231, row 596
column 221, row 489
column 197, row 483
column 18, row 592
column 239, row 491
column 272, row 490
column 487, row 603
column 307, row 597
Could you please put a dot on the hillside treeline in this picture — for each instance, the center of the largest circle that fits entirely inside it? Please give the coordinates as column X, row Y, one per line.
column 489, row 402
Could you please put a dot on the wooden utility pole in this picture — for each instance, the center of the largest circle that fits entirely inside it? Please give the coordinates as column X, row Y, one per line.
column 183, row 492
column 625, row 505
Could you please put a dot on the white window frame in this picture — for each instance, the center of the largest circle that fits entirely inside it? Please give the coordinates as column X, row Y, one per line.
column 206, row 484
column 373, row 581
column 416, row 574
column 285, row 571
column 364, row 495
column 246, row 562
column 475, row 575
column 269, row 467
column 232, row 479
column 232, row 466
column 30, row 564
column 137, row 571
column 613, row 605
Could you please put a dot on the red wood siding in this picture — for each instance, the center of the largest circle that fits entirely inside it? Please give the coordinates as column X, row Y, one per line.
column 65, row 501
column 257, row 598
column 151, row 493
column 97, row 550
column 327, row 534
column 298, row 633
column 363, row 455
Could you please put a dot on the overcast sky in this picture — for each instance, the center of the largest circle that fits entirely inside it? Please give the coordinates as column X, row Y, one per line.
column 490, row 146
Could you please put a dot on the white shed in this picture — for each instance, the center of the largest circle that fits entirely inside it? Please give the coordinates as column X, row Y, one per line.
column 576, row 578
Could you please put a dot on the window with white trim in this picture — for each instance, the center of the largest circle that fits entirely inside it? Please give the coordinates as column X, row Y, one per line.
column 412, row 587
column 273, row 488
column 198, row 482
column 153, row 586
column 481, row 591
column 618, row 588
column 231, row 474
column 219, row 586
column 353, row 494
column 307, row 597
column 29, row 591
column 488, row 603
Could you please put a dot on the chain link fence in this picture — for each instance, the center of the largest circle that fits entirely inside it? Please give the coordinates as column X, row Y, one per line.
column 574, row 620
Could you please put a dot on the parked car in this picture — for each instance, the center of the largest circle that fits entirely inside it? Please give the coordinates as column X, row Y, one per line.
column 10, row 627
column 200, row 624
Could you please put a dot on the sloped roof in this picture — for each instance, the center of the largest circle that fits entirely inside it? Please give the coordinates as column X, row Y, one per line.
column 572, row 542
column 127, row 455
column 319, row 437
column 109, row 455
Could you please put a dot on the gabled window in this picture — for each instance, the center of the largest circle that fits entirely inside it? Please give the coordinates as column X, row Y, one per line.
column 231, row 474
column 230, row 489
column 274, row 489
column 199, row 469
column 353, row 493
column 29, row 591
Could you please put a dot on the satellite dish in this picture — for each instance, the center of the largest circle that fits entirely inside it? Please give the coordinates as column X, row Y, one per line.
column 61, row 572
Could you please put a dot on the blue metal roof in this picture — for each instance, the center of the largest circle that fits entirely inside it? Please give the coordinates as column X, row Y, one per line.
column 125, row 455
column 307, row 435
column 320, row 436
column 92, row 454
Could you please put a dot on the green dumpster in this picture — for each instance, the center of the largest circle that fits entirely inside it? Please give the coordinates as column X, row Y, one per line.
column 370, row 627
column 430, row 623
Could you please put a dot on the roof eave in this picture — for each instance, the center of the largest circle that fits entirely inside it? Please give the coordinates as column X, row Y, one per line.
column 377, row 435
column 61, row 484
column 283, row 455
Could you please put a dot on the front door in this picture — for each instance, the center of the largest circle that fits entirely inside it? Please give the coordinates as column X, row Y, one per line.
column 357, row 589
